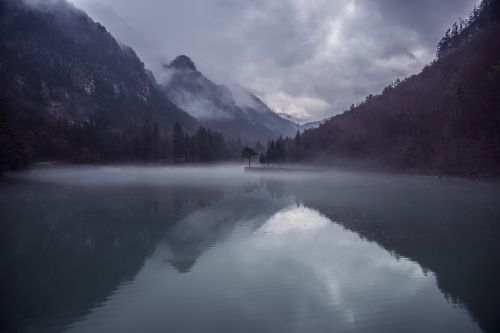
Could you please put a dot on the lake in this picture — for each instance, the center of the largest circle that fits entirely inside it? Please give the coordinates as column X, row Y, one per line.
column 214, row 249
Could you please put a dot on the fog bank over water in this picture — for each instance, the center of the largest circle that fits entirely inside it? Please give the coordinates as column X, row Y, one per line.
column 148, row 174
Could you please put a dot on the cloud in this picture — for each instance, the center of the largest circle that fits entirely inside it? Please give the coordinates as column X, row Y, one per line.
column 296, row 106
column 200, row 104
column 334, row 52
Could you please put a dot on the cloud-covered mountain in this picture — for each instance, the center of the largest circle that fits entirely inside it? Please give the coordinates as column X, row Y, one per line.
column 311, row 125
column 293, row 119
column 56, row 62
column 315, row 57
column 301, row 122
column 233, row 111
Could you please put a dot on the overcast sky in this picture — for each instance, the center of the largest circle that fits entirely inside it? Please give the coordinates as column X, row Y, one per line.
column 308, row 58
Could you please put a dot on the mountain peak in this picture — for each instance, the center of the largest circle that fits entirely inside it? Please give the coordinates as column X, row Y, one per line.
column 182, row 62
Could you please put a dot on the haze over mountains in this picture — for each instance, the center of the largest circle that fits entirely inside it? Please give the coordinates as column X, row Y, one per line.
column 301, row 123
column 56, row 62
column 234, row 112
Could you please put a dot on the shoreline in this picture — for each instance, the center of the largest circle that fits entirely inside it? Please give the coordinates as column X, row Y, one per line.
column 265, row 169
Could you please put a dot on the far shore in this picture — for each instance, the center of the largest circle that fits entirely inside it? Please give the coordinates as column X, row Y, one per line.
column 287, row 168
column 275, row 169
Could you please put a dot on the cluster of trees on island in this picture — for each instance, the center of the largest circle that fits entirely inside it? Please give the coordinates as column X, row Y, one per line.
column 277, row 152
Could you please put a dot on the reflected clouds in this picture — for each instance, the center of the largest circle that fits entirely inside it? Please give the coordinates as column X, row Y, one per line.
column 298, row 272
column 212, row 248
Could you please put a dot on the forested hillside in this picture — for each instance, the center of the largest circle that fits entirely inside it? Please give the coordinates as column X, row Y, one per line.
column 70, row 91
column 444, row 120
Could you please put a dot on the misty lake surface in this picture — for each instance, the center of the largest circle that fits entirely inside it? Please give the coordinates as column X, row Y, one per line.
column 213, row 249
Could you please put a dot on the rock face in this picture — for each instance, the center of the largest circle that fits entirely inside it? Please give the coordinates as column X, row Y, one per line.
column 182, row 62
column 55, row 61
column 235, row 112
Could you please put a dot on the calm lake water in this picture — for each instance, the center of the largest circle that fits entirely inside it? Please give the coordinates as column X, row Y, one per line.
column 159, row 249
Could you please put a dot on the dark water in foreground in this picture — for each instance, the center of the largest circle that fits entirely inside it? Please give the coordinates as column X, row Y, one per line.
column 150, row 249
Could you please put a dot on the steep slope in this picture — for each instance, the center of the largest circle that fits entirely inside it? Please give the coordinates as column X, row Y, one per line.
column 56, row 62
column 237, row 114
column 445, row 119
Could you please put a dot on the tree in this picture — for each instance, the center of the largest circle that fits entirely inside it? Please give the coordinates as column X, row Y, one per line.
column 297, row 146
column 262, row 159
column 454, row 30
column 280, row 150
column 149, row 141
column 178, row 144
column 248, row 152
column 14, row 148
column 443, row 44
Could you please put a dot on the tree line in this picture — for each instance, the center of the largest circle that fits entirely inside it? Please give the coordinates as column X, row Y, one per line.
column 204, row 146
column 445, row 119
column 486, row 12
column 283, row 150
column 27, row 138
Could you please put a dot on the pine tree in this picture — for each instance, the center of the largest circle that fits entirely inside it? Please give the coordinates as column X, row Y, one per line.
column 297, row 142
column 14, row 148
column 178, row 143
column 262, row 160
column 249, row 153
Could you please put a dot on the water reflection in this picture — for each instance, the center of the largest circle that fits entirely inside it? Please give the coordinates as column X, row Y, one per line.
column 449, row 227
column 298, row 272
column 156, row 249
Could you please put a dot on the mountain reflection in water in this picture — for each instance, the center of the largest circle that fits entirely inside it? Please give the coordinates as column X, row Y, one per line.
column 213, row 249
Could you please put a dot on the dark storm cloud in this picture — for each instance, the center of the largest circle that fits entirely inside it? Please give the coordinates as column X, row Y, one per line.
column 303, row 57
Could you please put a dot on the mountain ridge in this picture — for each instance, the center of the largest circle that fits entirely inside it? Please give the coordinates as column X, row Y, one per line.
column 56, row 58
column 244, row 116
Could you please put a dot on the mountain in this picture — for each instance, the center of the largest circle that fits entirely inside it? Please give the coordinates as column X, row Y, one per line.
column 311, row 125
column 300, row 122
column 234, row 112
column 69, row 90
column 446, row 119
column 291, row 118
column 57, row 62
